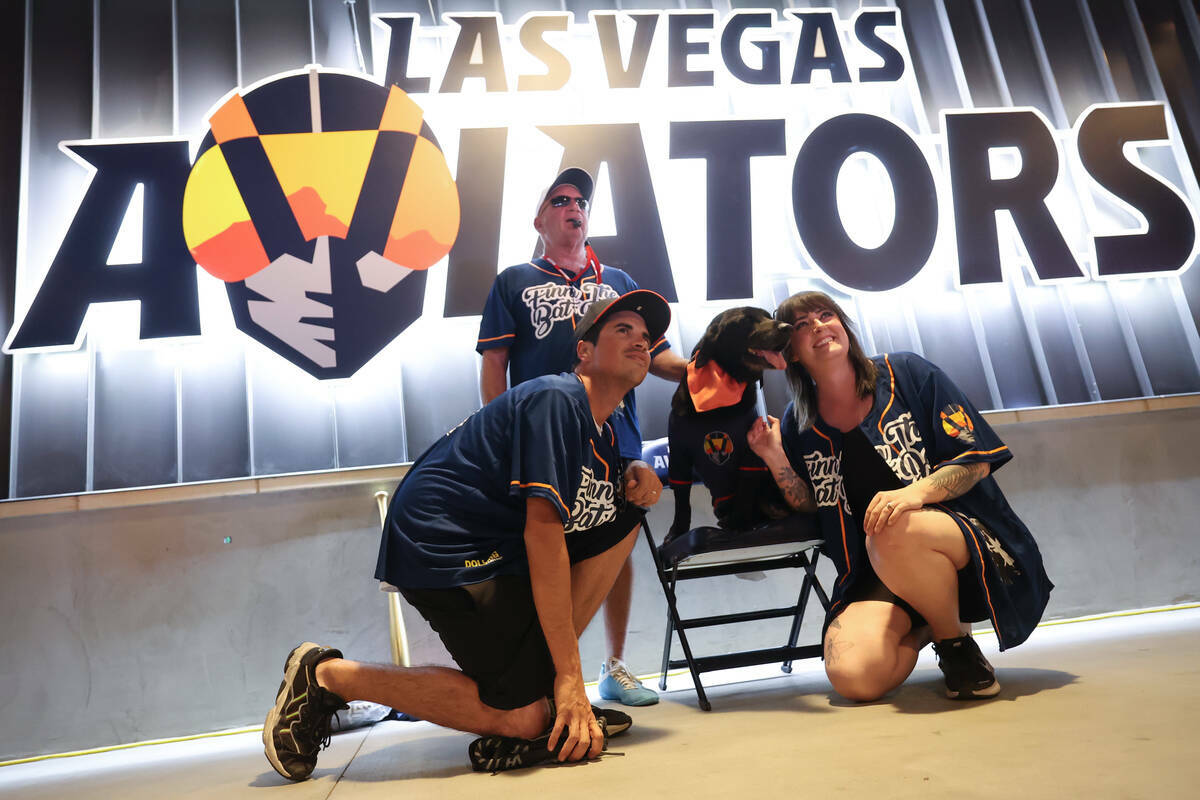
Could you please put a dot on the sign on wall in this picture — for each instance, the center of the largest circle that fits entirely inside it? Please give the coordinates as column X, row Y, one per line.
column 740, row 156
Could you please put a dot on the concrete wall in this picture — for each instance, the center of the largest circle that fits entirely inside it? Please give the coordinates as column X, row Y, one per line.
column 141, row 622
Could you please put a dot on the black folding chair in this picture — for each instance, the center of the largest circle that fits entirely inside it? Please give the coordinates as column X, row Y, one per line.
column 709, row 552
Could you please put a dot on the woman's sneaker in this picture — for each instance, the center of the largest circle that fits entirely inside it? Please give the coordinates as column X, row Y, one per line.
column 618, row 684
column 968, row 674
column 297, row 728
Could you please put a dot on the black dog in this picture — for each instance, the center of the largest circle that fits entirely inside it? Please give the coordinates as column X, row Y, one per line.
column 711, row 412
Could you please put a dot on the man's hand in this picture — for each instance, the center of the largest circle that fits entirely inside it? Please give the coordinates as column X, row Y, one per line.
column 574, row 724
column 642, row 486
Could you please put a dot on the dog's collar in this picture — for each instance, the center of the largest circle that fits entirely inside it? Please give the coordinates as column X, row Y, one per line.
column 712, row 387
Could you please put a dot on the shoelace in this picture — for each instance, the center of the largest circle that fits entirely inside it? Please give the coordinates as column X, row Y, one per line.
column 622, row 676
column 319, row 727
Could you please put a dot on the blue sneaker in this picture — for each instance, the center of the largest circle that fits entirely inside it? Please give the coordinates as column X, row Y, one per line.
column 617, row 683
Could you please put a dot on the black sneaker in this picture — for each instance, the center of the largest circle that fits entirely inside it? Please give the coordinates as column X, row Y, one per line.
column 613, row 722
column 968, row 673
column 498, row 753
column 297, row 728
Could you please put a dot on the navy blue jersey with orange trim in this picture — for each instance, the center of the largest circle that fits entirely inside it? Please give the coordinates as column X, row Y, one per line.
column 919, row 422
column 458, row 517
column 714, row 445
column 532, row 310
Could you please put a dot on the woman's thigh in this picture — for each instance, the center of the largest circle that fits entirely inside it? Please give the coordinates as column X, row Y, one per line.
column 928, row 528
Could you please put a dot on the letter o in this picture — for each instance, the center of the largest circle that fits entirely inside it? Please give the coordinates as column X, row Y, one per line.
column 814, row 202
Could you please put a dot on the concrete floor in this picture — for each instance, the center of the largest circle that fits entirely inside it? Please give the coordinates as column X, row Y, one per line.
column 1096, row 709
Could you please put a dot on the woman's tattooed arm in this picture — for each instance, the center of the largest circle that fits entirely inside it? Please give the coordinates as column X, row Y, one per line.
column 955, row 480
column 795, row 490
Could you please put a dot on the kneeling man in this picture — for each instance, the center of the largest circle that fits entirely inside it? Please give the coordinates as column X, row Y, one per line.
column 506, row 535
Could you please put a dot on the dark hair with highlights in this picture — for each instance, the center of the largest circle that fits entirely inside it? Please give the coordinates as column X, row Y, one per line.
column 803, row 390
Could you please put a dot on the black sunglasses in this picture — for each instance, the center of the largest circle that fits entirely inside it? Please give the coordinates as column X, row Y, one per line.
column 560, row 200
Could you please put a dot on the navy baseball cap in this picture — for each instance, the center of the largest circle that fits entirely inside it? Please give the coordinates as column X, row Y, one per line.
column 571, row 176
column 650, row 306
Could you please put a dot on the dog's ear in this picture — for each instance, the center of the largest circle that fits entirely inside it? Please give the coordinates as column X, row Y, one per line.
column 706, row 348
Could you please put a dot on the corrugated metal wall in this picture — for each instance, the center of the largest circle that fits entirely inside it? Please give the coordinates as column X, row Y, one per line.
column 118, row 413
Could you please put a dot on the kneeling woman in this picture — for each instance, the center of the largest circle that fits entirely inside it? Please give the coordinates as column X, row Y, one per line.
column 897, row 464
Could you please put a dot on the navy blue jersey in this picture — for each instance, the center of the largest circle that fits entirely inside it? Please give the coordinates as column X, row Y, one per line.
column 919, row 422
column 458, row 517
column 532, row 310
column 713, row 444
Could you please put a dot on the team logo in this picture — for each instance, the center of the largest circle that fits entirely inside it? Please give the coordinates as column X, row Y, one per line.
column 320, row 199
column 718, row 447
column 957, row 424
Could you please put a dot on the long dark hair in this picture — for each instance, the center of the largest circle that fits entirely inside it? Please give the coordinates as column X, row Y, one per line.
column 804, row 391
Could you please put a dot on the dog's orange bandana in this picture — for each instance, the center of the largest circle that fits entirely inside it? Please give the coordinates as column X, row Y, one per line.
column 712, row 387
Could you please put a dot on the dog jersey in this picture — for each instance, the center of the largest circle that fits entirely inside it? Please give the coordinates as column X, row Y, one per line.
column 532, row 310
column 714, row 445
column 458, row 516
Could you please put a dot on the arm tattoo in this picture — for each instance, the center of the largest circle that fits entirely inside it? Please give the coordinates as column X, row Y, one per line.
column 795, row 490
column 956, row 480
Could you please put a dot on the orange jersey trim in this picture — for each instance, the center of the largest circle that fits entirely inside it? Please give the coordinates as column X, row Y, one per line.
column 841, row 512
column 497, row 338
column 544, row 486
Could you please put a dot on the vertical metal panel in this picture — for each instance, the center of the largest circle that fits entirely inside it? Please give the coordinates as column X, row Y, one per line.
column 931, row 58
column 1075, row 78
column 1012, row 40
column 441, row 386
column 135, row 433
column 1120, row 51
column 134, row 414
column 335, row 41
column 454, row 6
column 370, row 416
column 214, row 414
column 973, row 54
column 51, row 389
column 215, row 428
column 51, row 417
column 429, row 10
column 947, row 340
column 12, row 131
column 291, row 423
column 135, row 68
column 275, row 35
column 581, row 7
column 206, row 58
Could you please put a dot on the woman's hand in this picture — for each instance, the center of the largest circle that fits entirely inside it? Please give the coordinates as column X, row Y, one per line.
column 887, row 508
column 764, row 437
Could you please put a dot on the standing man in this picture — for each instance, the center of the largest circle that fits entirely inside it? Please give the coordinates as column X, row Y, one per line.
column 506, row 535
column 527, row 330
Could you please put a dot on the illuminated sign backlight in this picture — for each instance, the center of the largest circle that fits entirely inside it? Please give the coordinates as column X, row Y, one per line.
column 321, row 198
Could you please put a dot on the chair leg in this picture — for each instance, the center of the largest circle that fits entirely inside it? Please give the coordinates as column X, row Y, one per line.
column 675, row 621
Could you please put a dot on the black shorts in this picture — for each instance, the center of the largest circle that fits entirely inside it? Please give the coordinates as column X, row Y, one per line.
column 971, row 607
column 492, row 631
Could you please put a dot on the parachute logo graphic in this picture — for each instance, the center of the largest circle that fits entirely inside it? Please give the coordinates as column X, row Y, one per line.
column 321, row 199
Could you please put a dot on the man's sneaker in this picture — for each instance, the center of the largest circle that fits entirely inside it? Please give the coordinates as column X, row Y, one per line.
column 618, row 684
column 498, row 753
column 297, row 728
column 612, row 721
column 968, row 673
